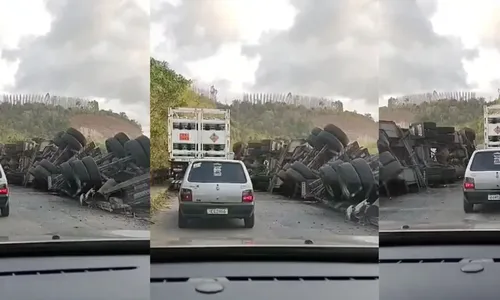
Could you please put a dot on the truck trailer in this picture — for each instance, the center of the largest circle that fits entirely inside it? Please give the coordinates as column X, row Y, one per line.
column 197, row 133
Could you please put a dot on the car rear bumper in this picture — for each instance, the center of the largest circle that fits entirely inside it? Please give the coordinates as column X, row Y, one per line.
column 199, row 210
column 4, row 200
column 480, row 196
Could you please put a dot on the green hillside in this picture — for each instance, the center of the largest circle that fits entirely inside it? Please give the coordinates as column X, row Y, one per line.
column 446, row 112
column 21, row 122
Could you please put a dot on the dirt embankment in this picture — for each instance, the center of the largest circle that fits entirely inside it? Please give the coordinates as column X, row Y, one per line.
column 400, row 116
column 99, row 128
column 356, row 127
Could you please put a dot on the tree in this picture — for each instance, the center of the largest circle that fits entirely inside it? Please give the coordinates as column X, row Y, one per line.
column 167, row 89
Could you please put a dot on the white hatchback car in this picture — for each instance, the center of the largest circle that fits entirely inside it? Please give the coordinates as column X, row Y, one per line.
column 216, row 188
column 482, row 179
column 4, row 194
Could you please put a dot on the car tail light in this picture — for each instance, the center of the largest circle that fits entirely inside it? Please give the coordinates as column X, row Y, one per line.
column 247, row 196
column 469, row 183
column 4, row 190
column 186, row 195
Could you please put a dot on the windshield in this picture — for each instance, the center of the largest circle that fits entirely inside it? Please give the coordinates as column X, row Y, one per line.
column 439, row 110
column 74, row 121
column 298, row 107
column 217, row 172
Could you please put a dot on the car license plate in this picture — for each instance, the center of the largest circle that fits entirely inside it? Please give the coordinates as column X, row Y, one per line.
column 217, row 211
column 495, row 197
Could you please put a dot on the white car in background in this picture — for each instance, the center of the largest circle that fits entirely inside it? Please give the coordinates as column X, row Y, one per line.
column 216, row 188
column 482, row 179
column 4, row 194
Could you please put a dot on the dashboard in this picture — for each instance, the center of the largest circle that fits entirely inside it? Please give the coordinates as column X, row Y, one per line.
column 449, row 272
column 264, row 280
column 78, row 270
column 439, row 264
column 125, row 270
column 76, row 278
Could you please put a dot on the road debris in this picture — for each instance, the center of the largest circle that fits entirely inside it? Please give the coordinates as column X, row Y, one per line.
column 324, row 168
column 421, row 156
column 115, row 179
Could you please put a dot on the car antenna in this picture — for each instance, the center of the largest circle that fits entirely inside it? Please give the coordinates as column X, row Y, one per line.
column 308, row 242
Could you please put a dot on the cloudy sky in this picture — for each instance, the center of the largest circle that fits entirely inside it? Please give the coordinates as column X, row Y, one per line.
column 360, row 51
column 85, row 48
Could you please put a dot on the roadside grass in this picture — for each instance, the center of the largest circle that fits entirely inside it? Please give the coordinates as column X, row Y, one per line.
column 159, row 196
column 371, row 146
column 369, row 143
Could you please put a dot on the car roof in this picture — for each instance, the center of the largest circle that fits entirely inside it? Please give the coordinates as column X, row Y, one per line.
column 488, row 150
column 217, row 160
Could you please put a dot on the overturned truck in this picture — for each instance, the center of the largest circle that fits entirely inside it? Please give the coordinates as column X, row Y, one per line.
column 422, row 155
column 115, row 179
column 325, row 168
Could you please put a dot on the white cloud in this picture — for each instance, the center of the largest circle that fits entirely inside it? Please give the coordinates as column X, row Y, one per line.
column 244, row 22
column 120, row 79
column 17, row 21
column 247, row 21
column 472, row 22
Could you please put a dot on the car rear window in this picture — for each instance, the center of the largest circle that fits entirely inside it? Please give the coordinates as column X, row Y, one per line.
column 217, row 172
column 486, row 161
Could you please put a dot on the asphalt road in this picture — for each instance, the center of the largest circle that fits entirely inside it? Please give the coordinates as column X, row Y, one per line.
column 439, row 208
column 34, row 213
column 277, row 218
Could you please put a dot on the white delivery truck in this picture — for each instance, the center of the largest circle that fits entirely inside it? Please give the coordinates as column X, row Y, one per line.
column 491, row 126
column 197, row 133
